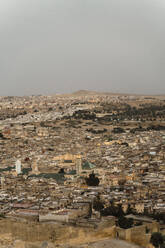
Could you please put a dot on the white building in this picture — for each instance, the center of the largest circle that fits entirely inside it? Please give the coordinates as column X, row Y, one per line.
column 18, row 167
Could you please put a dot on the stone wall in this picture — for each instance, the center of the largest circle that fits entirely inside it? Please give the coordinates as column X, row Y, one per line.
column 138, row 234
column 54, row 217
column 32, row 232
column 63, row 233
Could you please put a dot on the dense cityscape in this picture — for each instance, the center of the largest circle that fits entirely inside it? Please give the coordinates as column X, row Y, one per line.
column 82, row 170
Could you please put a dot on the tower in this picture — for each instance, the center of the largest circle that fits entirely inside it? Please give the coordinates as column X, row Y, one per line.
column 78, row 166
column 2, row 181
column 18, row 167
column 98, row 149
column 35, row 167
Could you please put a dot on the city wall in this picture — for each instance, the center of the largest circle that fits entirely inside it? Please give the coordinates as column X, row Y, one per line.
column 32, row 232
column 60, row 233
column 139, row 235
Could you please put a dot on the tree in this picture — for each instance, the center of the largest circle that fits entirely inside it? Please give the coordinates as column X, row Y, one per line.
column 113, row 210
column 157, row 239
column 92, row 180
column 125, row 223
column 121, row 183
column 120, row 211
column 129, row 209
column 118, row 130
column 61, row 171
column 98, row 204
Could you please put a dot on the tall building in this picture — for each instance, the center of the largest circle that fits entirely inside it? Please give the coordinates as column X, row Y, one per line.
column 18, row 167
column 2, row 181
column 78, row 166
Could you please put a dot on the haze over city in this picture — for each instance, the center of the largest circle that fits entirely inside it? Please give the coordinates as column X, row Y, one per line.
column 58, row 46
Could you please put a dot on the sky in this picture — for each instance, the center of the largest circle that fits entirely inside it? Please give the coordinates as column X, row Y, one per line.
column 61, row 46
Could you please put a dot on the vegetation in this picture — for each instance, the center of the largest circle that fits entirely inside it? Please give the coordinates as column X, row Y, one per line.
column 157, row 240
column 145, row 112
column 118, row 130
column 98, row 204
column 113, row 210
column 2, row 215
column 61, row 171
column 125, row 223
column 96, row 131
column 84, row 114
column 92, row 180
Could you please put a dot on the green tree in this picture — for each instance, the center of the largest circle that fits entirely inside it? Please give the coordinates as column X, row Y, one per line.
column 124, row 222
column 92, row 180
column 98, row 204
column 157, row 240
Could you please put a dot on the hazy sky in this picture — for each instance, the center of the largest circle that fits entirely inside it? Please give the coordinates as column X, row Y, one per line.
column 53, row 46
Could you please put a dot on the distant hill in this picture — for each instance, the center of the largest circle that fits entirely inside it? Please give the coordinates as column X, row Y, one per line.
column 88, row 92
column 85, row 92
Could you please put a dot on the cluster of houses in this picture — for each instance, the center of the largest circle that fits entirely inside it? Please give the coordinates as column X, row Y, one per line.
column 132, row 174
column 46, row 156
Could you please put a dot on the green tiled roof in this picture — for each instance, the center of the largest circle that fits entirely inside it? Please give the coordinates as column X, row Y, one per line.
column 88, row 166
column 72, row 172
column 25, row 171
column 9, row 168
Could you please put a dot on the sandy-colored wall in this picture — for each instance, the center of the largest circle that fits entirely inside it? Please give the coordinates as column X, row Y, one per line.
column 32, row 232
column 138, row 234
column 53, row 217
column 58, row 233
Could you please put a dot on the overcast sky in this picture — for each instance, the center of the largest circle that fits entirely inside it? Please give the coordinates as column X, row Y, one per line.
column 56, row 46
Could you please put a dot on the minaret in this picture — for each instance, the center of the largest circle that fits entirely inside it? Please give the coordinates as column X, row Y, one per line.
column 2, row 181
column 98, row 149
column 18, row 167
column 35, row 167
column 78, row 166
